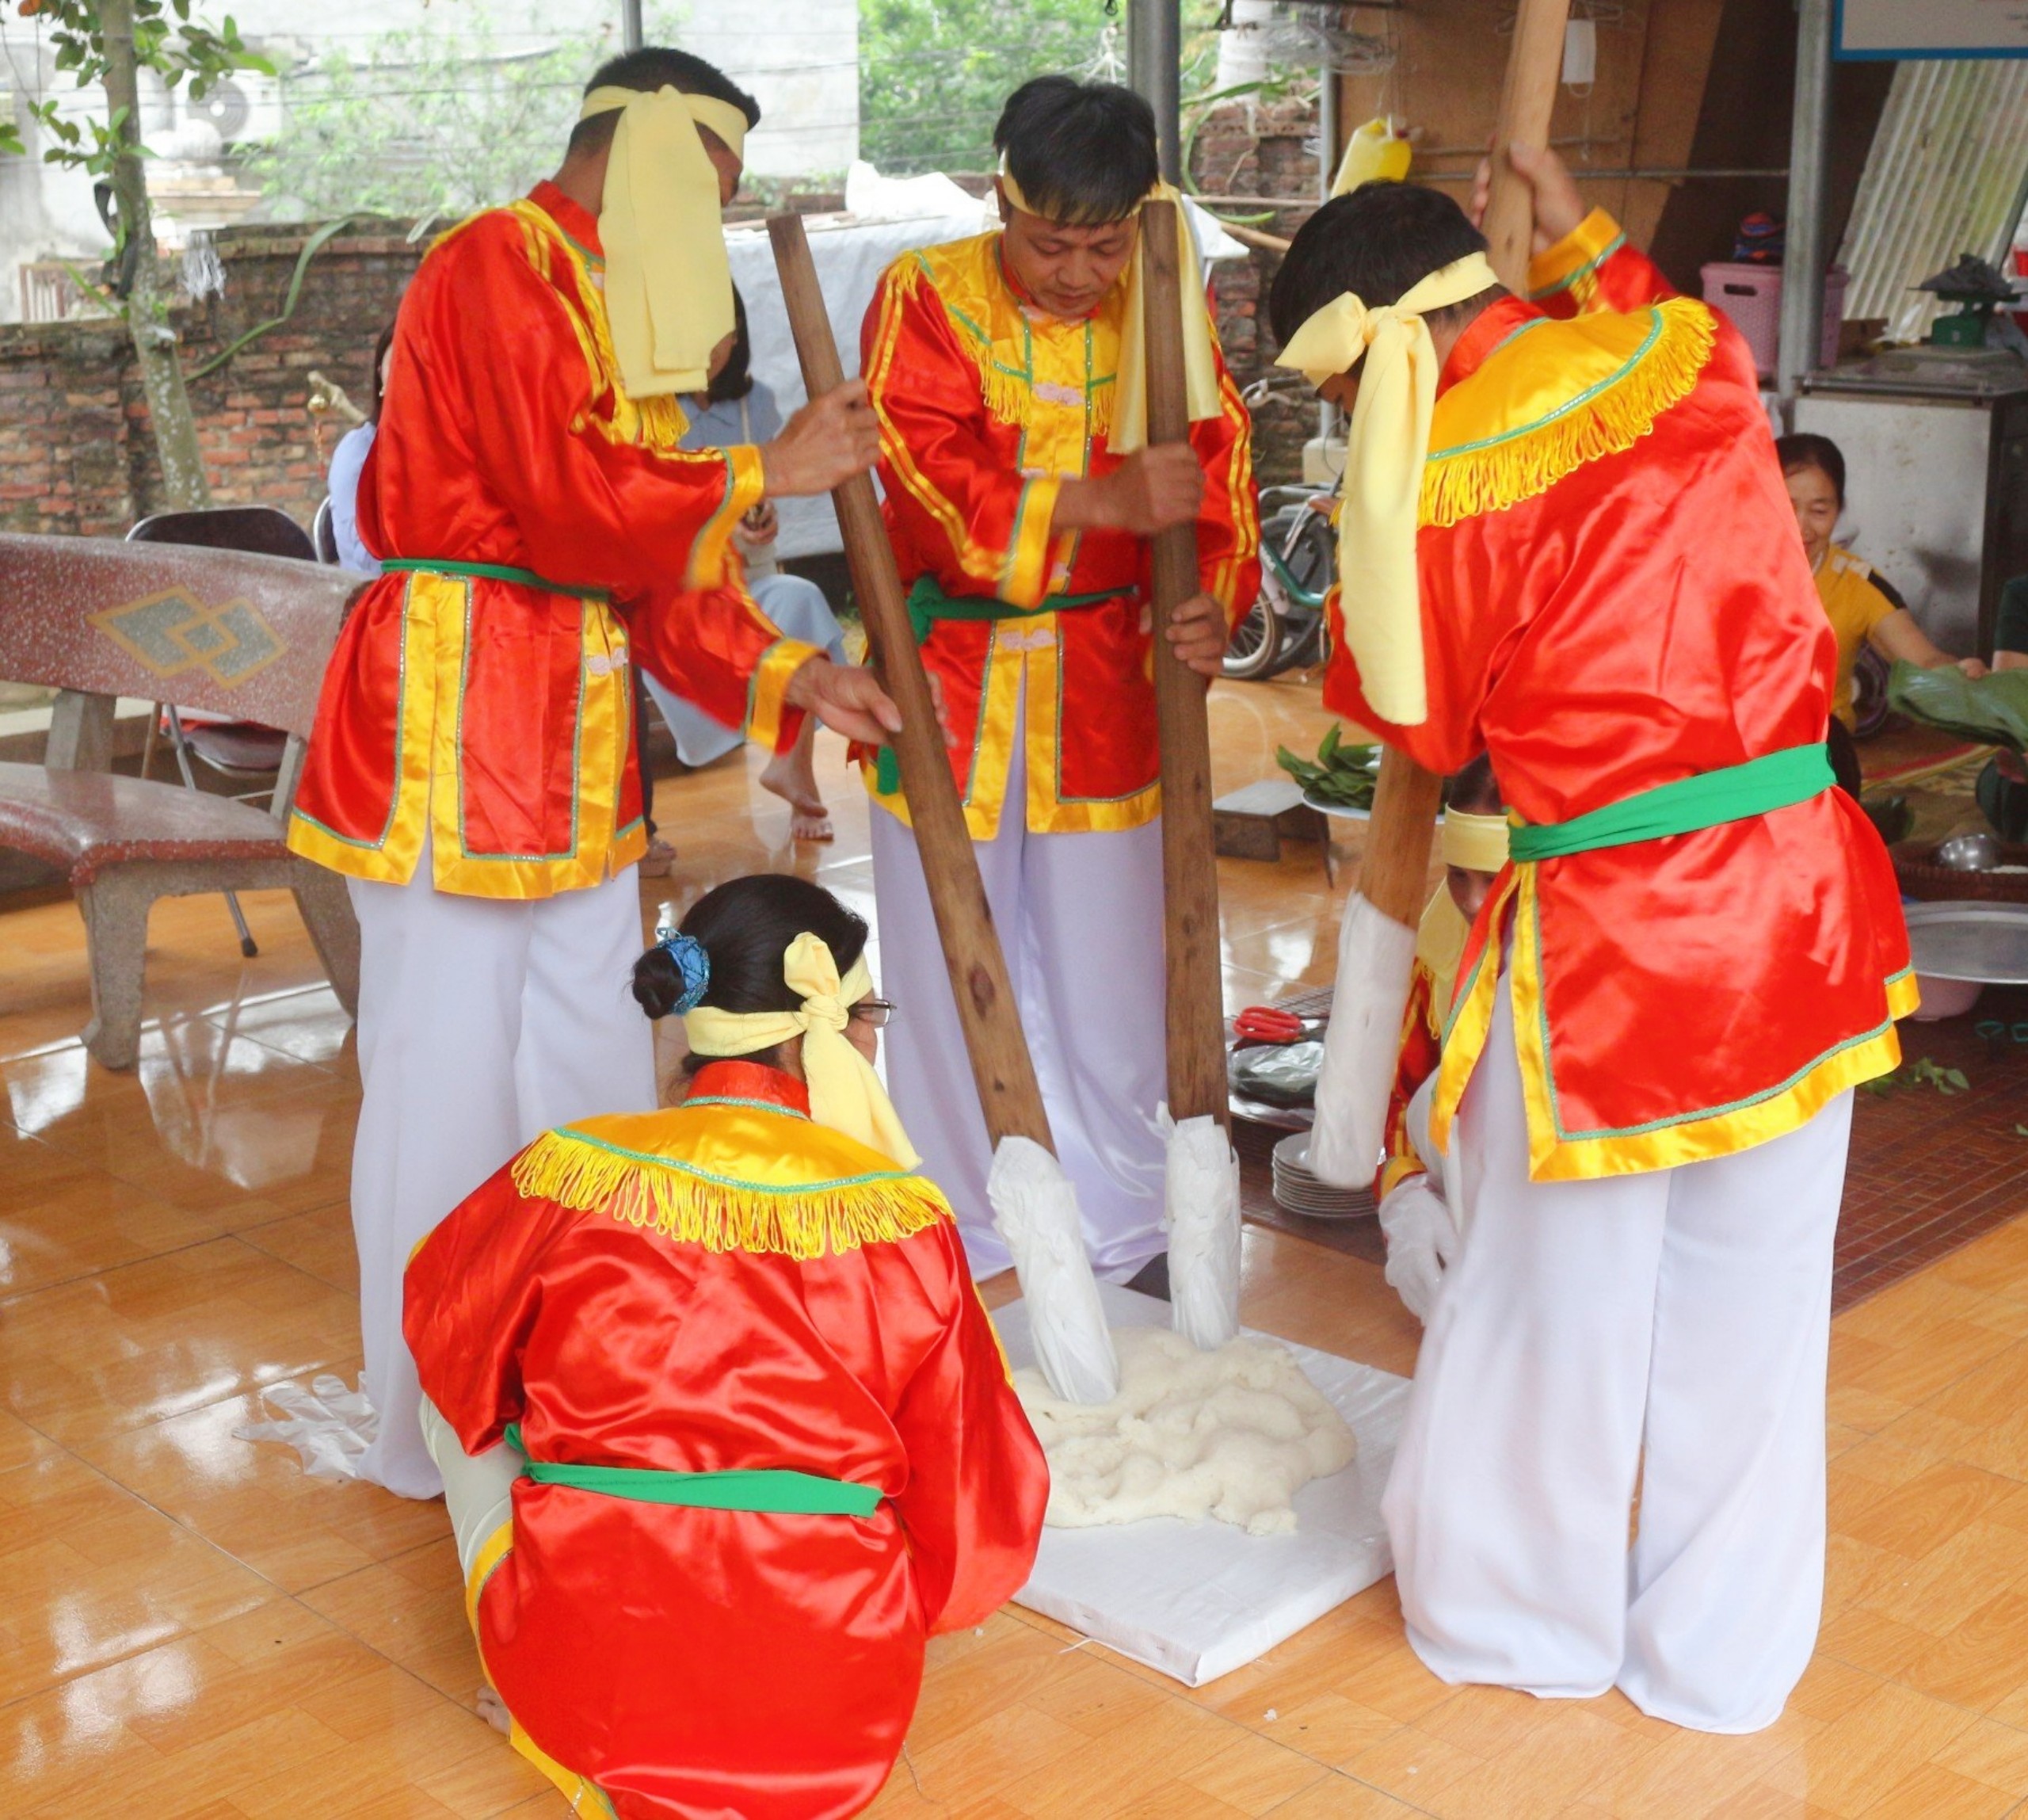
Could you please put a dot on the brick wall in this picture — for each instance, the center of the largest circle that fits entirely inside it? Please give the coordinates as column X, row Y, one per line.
column 76, row 457
column 1266, row 150
column 76, row 454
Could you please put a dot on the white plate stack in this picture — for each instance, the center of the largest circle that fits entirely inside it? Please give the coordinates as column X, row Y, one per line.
column 1298, row 1191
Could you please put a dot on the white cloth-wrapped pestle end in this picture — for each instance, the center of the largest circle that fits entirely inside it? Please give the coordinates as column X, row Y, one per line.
column 1035, row 1212
column 1376, row 956
column 1201, row 1195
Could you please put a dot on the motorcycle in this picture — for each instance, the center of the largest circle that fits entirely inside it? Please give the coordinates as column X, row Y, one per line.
column 1284, row 628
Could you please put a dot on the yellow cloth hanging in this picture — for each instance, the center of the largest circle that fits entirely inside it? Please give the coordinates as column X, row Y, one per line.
column 845, row 1093
column 1440, row 938
column 668, row 281
column 1382, row 490
column 1474, row 843
column 1200, row 365
column 1374, row 154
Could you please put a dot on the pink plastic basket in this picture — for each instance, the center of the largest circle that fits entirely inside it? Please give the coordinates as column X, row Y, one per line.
column 1752, row 296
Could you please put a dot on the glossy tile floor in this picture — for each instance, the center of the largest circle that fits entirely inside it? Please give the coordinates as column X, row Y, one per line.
column 191, row 1630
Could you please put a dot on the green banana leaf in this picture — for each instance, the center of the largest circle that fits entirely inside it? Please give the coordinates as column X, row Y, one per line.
column 1993, row 710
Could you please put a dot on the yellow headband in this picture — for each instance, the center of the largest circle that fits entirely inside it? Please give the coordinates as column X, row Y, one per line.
column 1385, row 448
column 844, row 1092
column 1474, row 843
column 1200, row 364
column 668, row 282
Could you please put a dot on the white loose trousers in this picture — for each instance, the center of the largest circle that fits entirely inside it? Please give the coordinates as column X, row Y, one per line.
column 1080, row 917
column 1670, row 1328
column 483, row 1022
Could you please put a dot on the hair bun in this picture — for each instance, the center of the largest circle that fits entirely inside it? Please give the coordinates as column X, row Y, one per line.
column 693, row 963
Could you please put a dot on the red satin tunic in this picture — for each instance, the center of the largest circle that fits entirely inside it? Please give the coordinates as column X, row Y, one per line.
column 986, row 406
column 1632, row 615
column 695, row 1662
column 495, row 716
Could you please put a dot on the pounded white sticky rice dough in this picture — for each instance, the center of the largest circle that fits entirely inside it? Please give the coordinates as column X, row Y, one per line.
column 1233, row 1434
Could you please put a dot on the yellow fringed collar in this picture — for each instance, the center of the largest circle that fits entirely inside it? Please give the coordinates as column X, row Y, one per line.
column 731, row 1175
column 1554, row 395
column 1029, row 365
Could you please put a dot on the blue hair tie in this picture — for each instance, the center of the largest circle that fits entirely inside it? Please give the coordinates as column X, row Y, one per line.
column 692, row 961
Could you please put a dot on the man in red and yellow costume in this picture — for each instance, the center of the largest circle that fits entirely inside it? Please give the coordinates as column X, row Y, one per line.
column 1569, row 548
column 472, row 770
column 725, row 1433
column 1006, row 374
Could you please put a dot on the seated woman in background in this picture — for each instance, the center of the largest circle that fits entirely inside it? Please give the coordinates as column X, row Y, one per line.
column 738, row 409
column 724, row 1430
column 1862, row 606
column 347, row 461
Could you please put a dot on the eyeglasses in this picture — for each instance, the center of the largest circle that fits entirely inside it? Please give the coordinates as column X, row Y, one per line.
column 874, row 1011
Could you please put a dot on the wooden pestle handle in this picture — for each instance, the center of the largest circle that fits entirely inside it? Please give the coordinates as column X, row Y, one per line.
column 1196, row 1028
column 1527, row 100
column 1395, row 865
column 1009, row 1092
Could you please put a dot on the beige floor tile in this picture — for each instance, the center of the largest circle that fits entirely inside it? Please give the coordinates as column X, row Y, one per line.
column 411, row 1608
column 93, row 1575
column 63, row 1218
column 254, row 1501
column 166, row 1336
column 1340, row 1798
column 319, row 1244
column 1854, row 1759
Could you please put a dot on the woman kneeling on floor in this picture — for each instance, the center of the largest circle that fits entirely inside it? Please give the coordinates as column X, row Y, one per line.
column 724, row 1430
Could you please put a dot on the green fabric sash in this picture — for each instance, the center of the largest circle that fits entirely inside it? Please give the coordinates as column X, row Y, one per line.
column 492, row 572
column 790, row 1493
column 1738, row 793
column 927, row 603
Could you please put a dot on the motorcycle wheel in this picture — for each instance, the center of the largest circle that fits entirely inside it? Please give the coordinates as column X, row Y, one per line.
column 1256, row 643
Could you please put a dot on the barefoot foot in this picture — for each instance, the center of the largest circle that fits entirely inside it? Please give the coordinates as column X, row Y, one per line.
column 790, row 777
column 493, row 1711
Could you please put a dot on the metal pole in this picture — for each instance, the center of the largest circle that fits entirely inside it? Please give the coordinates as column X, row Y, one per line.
column 1327, row 173
column 630, row 37
column 1154, row 57
column 1803, row 258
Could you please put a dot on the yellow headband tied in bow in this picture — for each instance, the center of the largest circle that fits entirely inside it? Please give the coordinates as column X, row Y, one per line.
column 1385, row 448
column 668, row 282
column 844, row 1092
column 1474, row 843
column 1200, row 365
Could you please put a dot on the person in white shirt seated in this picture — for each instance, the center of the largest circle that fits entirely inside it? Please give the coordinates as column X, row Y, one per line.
column 739, row 409
column 347, row 459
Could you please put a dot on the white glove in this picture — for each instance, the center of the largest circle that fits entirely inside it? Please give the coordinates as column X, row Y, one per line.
column 1422, row 1239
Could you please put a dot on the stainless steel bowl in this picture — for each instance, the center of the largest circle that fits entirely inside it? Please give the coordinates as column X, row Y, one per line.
column 1969, row 853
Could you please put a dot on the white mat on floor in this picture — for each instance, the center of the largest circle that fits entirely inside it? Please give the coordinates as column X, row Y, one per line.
column 1197, row 1601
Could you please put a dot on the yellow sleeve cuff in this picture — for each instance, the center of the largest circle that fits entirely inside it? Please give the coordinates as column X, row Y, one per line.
column 1397, row 1170
column 746, row 487
column 766, row 708
column 1024, row 575
column 1573, row 259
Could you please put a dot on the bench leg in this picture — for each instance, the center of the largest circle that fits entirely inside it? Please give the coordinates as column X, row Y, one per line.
column 326, row 906
column 114, row 906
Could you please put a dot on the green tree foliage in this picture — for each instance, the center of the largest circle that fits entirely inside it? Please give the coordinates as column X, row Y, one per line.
column 165, row 40
column 933, row 73
column 428, row 122
column 108, row 43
